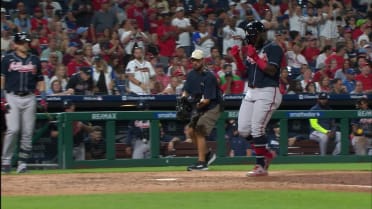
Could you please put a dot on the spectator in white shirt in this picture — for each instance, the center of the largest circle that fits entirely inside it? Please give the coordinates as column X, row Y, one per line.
column 202, row 39
column 326, row 51
column 232, row 35
column 296, row 60
column 328, row 31
column 184, row 28
column 139, row 72
column 296, row 19
column 102, row 76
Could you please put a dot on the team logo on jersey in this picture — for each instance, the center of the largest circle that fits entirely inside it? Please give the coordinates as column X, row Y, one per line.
column 20, row 67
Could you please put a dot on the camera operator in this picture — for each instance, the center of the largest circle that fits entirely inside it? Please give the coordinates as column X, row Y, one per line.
column 202, row 90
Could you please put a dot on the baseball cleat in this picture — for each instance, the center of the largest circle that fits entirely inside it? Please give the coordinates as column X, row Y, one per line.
column 258, row 170
column 5, row 169
column 210, row 157
column 22, row 168
column 199, row 166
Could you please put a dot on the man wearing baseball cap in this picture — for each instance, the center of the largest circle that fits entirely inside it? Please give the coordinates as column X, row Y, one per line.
column 20, row 76
column 202, row 91
column 349, row 81
column 324, row 129
column 81, row 83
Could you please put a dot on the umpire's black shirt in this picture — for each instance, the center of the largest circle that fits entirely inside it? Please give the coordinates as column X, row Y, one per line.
column 203, row 83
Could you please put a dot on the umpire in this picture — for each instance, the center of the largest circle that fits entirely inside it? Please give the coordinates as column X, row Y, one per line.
column 201, row 88
column 20, row 76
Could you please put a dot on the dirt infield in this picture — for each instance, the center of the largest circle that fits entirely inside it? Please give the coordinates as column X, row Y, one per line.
column 91, row 183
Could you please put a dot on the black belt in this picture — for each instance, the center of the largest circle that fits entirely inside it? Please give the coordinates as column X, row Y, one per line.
column 20, row 93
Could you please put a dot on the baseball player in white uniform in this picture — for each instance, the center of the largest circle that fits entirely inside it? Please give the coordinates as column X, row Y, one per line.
column 262, row 96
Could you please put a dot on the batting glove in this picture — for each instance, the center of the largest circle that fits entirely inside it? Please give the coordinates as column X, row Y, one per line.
column 252, row 53
column 4, row 105
column 235, row 52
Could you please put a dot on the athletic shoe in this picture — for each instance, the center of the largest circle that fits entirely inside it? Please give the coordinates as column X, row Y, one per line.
column 258, row 170
column 199, row 166
column 210, row 157
column 269, row 159
column 5, row 169
column 22, row 168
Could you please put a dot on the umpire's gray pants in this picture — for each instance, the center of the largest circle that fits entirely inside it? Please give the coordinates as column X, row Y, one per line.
column 20, row 119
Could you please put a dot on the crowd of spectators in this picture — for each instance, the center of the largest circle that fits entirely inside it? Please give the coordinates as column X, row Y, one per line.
column 326, row 42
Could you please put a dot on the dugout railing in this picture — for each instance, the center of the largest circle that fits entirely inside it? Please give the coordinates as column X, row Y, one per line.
column 109, row 119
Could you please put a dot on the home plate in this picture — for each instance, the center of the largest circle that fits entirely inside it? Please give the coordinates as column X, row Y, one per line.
column 166, row 179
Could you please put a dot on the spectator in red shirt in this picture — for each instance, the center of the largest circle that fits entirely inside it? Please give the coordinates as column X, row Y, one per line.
column 161, row 77
column 323, row 71
column 338, row 56
column 96, row 4
column 260, row 6
column 232, row 86
column 311, row 52
column 74, row 65
column 43, row 39
column 360, row 27
column 152, row 21
column 283, row 6
column 166, row 34
column 136, row 12
column 365, row 77
column 38, row 22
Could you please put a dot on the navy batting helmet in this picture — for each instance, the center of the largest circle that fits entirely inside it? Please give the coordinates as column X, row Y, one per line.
column 252, row 30
column 22, row 37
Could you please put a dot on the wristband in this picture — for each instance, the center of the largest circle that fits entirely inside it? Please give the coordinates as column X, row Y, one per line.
column 262, row 64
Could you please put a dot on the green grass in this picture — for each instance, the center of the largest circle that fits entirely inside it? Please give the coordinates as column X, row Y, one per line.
column 255, row 199
column 261, row 199
column 274, row 167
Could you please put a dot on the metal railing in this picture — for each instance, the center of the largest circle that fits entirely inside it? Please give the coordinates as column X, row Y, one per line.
column 65, row 138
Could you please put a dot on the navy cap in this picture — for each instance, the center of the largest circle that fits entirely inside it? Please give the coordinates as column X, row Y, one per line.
column 323, row 95
column 87, row 70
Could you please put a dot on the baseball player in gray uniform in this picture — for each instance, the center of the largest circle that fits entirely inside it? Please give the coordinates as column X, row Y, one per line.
column 20, row 76
column 263, row 96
